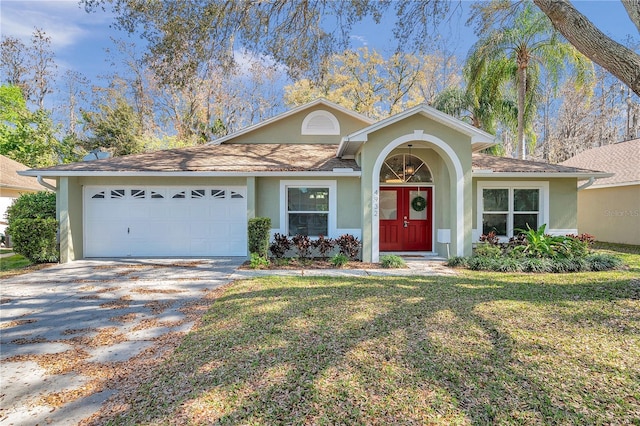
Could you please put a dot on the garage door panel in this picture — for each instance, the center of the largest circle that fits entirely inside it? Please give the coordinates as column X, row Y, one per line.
column 165, row 221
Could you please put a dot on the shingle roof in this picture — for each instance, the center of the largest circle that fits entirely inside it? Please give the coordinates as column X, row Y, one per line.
column 481, row 162
column 221, row 158
column 9, row 178
column 621, row 158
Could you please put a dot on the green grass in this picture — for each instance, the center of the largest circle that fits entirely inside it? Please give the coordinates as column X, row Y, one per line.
column 479, row 348
column 13, row 262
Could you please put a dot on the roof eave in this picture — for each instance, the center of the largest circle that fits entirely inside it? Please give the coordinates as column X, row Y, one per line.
column 94, row 173
column 578, row 175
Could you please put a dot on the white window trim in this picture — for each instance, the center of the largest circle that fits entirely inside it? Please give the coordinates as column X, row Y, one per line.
column 333, row 130
column 333, row 198
column 542, row 186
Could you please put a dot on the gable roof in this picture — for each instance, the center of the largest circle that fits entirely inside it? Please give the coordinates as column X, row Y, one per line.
column 622, row 158
column 320, row 101
column 238, row 159
column 10, row 179
column 485, row 165
column 479, row 138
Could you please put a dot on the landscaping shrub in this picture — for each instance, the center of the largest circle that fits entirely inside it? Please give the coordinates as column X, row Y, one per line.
column 478, row 263
column 490, row 238
column 323, row 246
column 33, row 227
column 488, row 250
column 35, row 239
column 602, row 261
column 391, row 261
column 37, row 205
column 280, row 245
column 349, row 245
column 339, row 260
column 532, row 264
column 258, row 261
column 259, row 230
column 457, row 261
column 303, row 245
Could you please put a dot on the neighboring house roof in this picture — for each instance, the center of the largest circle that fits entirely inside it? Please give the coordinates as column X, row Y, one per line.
column 10, row 179
column 248, row 159
column 484, row 165
column 621, row 158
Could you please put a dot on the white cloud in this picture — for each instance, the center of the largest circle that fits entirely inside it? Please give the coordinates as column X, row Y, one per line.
column 64, row 21
column 361, row 39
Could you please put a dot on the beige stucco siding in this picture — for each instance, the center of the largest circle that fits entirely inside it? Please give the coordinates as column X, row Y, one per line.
column 288, row 130
column 610, row 214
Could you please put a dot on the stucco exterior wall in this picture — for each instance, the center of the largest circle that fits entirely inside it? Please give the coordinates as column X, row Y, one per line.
column 446, row 151
column 562, row 203
column 348, row 201
column 610, row 214
column 288, row 130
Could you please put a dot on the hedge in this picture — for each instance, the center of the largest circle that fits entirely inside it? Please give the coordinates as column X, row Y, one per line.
column 259, row 232
column 35, row 239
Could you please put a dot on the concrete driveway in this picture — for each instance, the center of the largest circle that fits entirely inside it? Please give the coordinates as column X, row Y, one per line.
column 71, row 334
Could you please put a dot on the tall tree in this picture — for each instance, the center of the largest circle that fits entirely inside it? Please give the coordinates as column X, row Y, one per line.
column 25, row 136
column 366, row 82
column 529, row 43
column 32, row 68
column 114, row 127
column 298, row 34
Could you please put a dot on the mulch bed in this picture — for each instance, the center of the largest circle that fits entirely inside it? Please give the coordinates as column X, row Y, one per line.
column 296, row 264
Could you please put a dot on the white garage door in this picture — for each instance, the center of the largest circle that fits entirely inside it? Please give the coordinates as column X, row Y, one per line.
column 165, row 221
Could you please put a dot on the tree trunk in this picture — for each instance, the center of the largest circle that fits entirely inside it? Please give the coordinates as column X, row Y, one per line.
column 620, row 61
column 633, row 10
column 521, row 84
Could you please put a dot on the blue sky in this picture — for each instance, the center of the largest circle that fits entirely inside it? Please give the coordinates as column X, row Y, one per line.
column 80, row 40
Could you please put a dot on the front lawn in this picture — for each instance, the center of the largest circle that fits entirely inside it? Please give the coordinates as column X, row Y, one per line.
column 479, row 348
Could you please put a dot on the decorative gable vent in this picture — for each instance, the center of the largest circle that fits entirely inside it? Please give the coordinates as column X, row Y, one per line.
column 320, row 122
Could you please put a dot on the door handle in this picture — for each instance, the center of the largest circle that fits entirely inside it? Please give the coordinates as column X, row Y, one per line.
column 128, row 230
column 406, row 223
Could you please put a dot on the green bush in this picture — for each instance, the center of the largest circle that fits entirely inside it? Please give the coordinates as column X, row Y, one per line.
column 259, row 231
column 33, row 226
column 532, row 264
column 258, row 261
column 37, row 205
column 339, row 260
column 35, row 239
column 487, row 250
column 457, row 261
column 391, row 261
column 603, row 261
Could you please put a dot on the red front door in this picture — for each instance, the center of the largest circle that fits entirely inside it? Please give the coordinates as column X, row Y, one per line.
column 405, row 218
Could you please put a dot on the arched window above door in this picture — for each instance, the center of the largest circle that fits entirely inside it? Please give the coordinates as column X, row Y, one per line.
column 404, row 168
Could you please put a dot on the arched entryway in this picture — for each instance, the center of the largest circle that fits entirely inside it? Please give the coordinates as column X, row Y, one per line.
column 455, row 188
column 406, row 204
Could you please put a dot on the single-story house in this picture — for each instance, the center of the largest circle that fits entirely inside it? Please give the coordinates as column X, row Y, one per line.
column 12, row 185
column 414, row 181
column 609, row 209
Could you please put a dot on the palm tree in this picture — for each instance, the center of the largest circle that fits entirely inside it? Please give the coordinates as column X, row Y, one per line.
column 518, row 54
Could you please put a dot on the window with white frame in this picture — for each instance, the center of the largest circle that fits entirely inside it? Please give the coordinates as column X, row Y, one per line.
column 309, row 207
column 505, row 208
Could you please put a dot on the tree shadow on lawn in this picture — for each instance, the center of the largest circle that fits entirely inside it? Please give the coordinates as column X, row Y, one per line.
column 410, row 350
